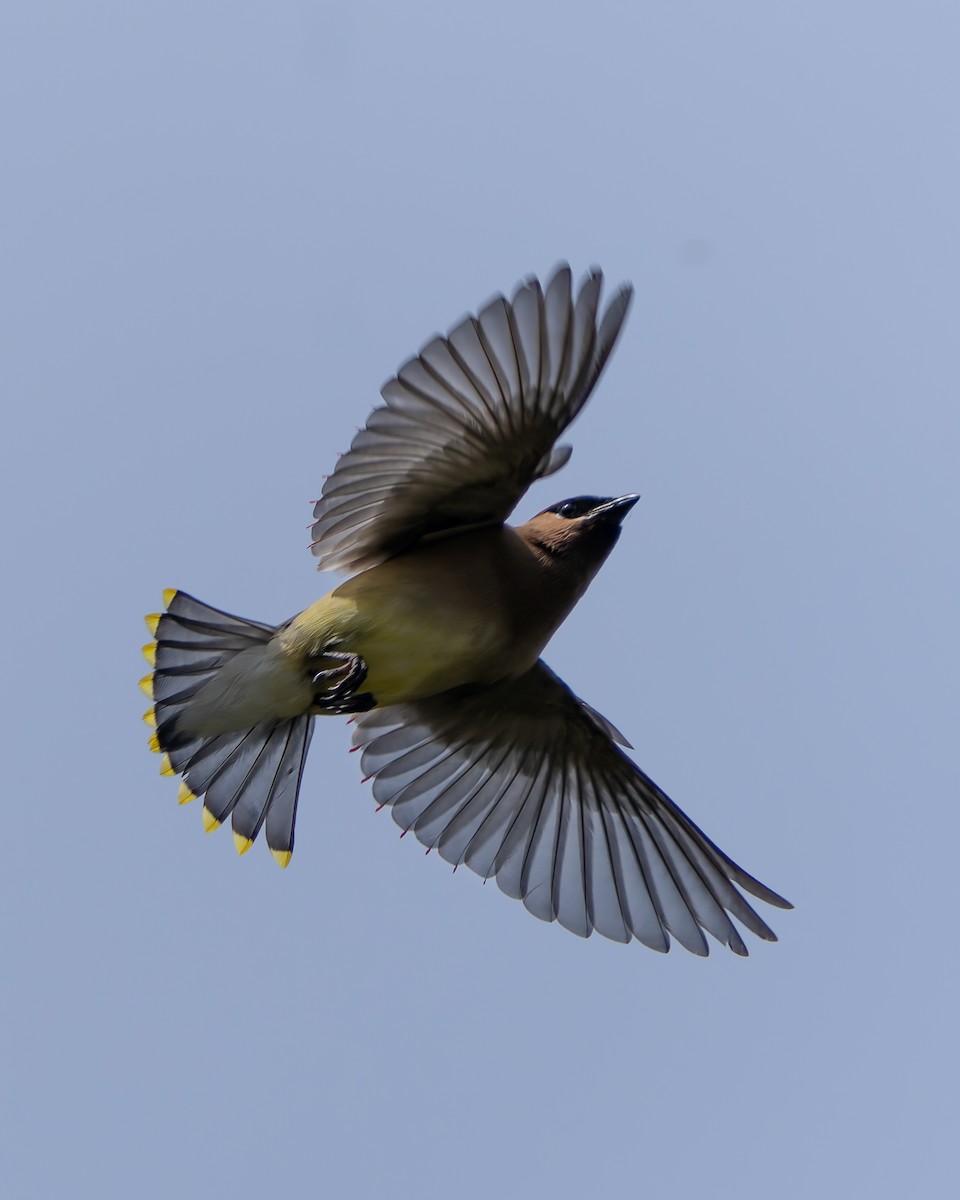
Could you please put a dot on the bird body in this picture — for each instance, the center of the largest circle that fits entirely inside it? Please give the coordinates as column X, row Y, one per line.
column 476, row 607
column 473, row 608
column 449, row 613
column 434, row 646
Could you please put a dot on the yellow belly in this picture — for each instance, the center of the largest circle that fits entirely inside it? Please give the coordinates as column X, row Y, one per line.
column 420, row 625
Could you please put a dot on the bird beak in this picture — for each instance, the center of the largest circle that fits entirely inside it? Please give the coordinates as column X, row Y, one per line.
column 613, row 510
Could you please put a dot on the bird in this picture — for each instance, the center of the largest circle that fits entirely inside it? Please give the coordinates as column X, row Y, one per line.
column 432, row 647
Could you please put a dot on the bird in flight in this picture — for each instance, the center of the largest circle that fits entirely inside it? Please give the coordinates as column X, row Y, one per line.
column 433, row 647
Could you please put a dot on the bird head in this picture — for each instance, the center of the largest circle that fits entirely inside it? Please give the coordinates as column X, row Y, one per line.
column 579, row 532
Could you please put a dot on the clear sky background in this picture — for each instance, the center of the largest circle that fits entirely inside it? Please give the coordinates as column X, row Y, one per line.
column 222, row 227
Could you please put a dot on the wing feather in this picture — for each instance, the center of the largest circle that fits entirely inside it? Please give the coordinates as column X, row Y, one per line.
column 468, row 424
column 523, row 782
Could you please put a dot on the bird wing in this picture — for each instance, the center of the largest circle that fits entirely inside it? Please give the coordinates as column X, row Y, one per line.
column 522, row 781
column 470, row 423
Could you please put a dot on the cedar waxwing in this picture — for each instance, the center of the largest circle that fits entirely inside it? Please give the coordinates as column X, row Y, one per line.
column 434, row 646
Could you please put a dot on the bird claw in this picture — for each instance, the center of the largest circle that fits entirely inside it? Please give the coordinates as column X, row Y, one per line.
column 342, row 696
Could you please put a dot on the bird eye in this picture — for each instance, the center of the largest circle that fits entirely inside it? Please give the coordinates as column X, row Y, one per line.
column 578, row 506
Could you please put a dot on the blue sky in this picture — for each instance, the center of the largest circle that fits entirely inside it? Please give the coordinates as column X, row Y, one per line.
column 224, row 225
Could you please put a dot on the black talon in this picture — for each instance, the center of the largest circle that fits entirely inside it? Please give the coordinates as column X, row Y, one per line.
column 343, row 697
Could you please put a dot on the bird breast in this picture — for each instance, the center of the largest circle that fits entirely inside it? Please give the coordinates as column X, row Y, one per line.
column 472, row 608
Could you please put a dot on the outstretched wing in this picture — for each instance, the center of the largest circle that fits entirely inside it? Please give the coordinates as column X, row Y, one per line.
column 522, row 781
column 469, row 423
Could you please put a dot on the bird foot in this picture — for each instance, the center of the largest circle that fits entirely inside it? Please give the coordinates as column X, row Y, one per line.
column 339, row 684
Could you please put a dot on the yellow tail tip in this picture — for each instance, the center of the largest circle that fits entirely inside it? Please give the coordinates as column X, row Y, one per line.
column 184, row 795
column 152, row 620
column 210, row 822
column 166, row 766
column 242, row 843
column 282, row 856
column 150, row 653
column 146, row 685
column 153, row 742
column 168, row 595
column 150, row 716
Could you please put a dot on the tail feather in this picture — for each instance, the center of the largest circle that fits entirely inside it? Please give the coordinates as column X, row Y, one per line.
column 253, row 775
column 271, row 785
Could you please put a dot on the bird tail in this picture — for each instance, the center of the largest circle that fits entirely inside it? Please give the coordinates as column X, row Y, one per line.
column 251, row 775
